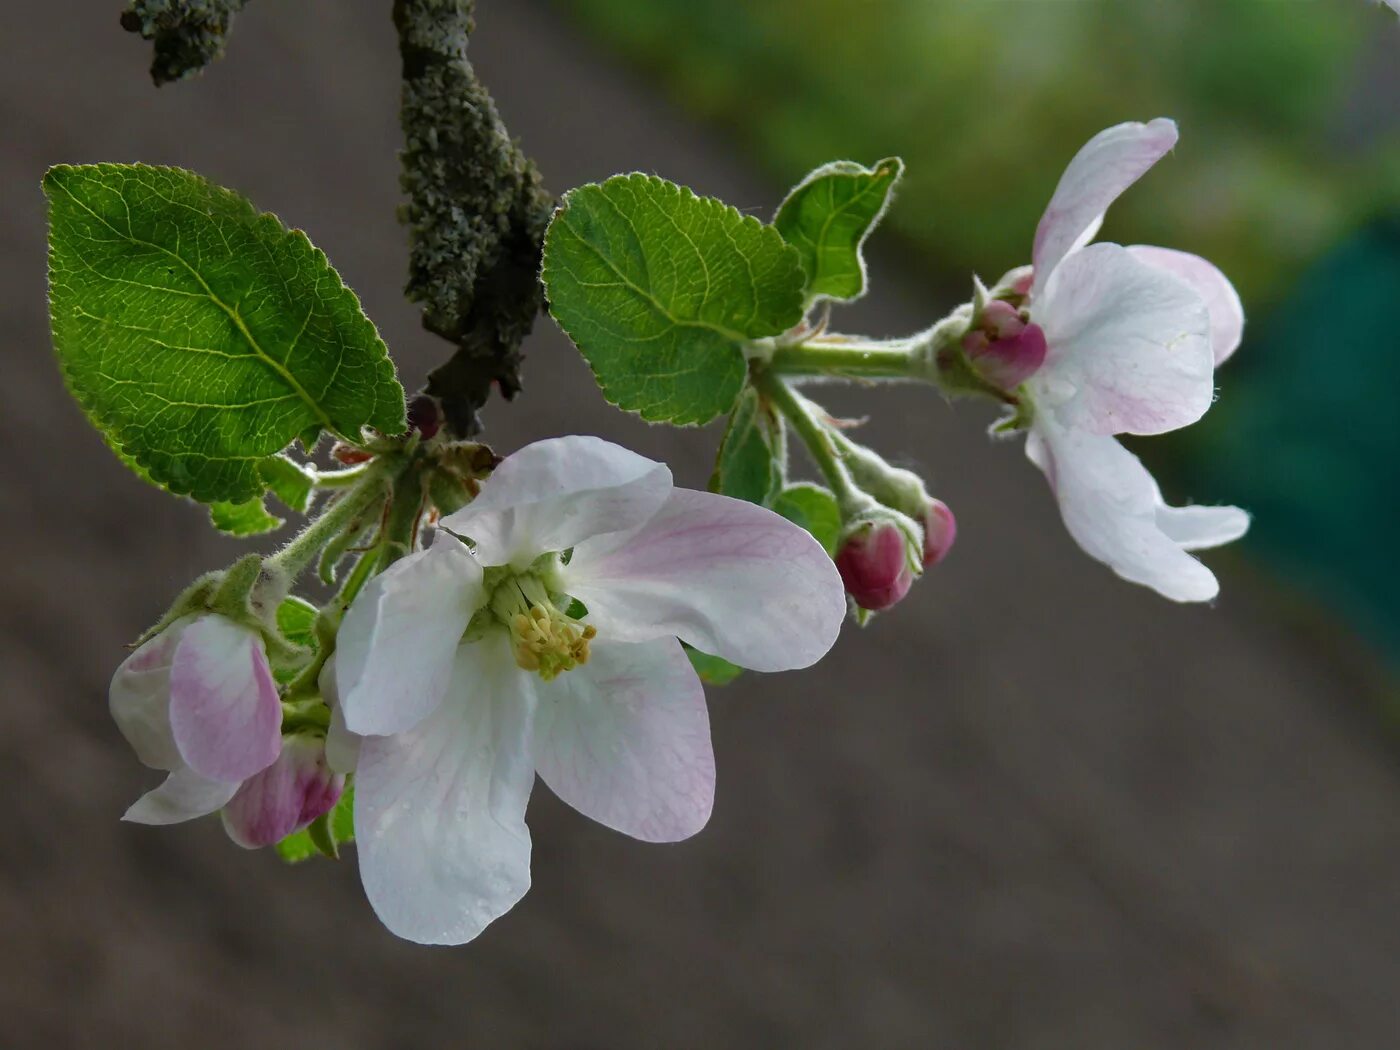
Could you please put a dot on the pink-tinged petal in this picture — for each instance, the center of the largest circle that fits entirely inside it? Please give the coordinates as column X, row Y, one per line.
column 625, row 739
column 1108, row 164
column 184, row 795
column 1111, row 506
column 729, row 577
column 554, row 494
column 1129, row 346
column 395, row 648
column 1222, row 301
column 1007, row 362
column 224, row 711
column 284, row 797
column 440, row 809
column 139, row 699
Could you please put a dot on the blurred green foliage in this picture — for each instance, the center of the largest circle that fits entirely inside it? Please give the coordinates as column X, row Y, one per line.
column 987, row 100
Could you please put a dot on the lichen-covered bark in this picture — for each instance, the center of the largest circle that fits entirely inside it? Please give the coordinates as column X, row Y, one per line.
column 476, row 213
column 188, row 34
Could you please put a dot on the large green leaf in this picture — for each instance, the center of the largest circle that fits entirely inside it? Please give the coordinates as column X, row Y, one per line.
column 827, row 217
column 200, row 335
column 661, row 290
column 752, row 459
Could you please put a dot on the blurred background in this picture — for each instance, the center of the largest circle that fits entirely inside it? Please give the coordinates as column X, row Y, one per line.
column 1035, row 807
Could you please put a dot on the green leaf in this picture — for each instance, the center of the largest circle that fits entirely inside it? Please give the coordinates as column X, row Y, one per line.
column 200, row 336
column 713, row 670
column 827, row 217
column 290, row 482
column 815, row 509
column 335, row 829
column 243, row 519
column 661, row 290
column 752, row 460
column 296, row 620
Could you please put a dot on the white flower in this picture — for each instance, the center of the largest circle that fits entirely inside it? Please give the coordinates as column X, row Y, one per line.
column 198, row 700
column 468, row 670
column 1132, row 338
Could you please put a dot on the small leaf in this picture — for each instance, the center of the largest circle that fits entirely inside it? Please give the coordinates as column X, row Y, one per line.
column 249, row 518
column 661, row 290
column 752, row 460
column 296, row 619
column 290, row 482
column 827, row 217
column 200, row 336
column 713, row 670
column 815, row 509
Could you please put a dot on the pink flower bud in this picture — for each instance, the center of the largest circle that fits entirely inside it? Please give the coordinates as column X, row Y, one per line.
column 874, row 565
column 1004, row 349
column 286, row 796
column 940, row 530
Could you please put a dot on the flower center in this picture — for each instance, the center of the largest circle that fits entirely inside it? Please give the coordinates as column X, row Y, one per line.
column 543, row 638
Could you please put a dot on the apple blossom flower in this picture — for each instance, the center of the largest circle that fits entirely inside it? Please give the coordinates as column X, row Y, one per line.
column 550, row 646
column 1131, row 340
column 198, row 700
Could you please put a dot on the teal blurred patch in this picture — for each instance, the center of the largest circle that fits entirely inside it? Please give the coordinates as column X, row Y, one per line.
column 1307, row 434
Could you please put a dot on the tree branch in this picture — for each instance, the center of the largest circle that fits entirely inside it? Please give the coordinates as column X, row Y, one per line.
column 188, row 34
column 476, row 213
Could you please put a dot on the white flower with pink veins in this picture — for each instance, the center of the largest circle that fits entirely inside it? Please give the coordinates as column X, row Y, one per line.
column 548, row 643
column 1131, row 339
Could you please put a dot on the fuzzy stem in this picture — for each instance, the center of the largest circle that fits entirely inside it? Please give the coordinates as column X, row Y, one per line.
column 802, row 415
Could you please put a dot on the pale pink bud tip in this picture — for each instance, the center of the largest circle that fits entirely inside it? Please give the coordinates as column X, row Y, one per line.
column 874, row 565
column 940, row 530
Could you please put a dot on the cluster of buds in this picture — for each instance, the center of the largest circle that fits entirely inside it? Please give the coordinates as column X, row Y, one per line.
column 887, row 544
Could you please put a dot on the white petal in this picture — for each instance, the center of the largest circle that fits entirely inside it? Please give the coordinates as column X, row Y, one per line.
column 225, row 714
column 184, row 795
column 1129, row 347
column 440, row 809
column 728, row 577
column 1196, row 528
column 342, row 746
column 1111, row 506
column 554, row 494
column 396, row 645
column 139, row 698
column 1108, row 164
column 625, row 739
column 1222, row 301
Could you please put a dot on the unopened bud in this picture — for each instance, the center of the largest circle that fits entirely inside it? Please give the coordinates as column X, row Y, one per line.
column 940, row 530
column 873, row 561
column 286, row 796
column 1004, row 349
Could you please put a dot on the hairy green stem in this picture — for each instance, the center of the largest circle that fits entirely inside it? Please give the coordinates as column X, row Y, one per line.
column 297, row 554
column 802, row 415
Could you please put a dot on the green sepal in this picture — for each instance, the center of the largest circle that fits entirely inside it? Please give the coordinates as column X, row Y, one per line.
column 827, row 217
column 713, row 670
column 752, row 460
column 199, row 335
column 296, row 620
column 815, row 509
column 662, row 291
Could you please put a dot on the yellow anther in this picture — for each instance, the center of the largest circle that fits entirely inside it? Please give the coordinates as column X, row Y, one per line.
column 543, row 639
